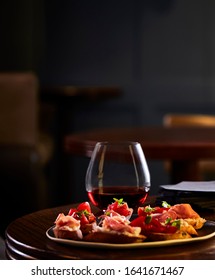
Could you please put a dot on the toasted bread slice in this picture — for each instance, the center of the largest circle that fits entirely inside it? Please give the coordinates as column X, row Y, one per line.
column 196, row 223
column 113, row 237
column 168, row 236
column 67, row 233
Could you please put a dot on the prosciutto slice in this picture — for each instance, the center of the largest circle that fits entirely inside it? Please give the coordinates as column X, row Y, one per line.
column 162, row 217
column 67, row 227
column 67, row 221
column 119, row 224
column 184, row 211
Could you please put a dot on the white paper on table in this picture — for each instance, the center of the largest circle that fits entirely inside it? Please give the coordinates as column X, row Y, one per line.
column 190, row 186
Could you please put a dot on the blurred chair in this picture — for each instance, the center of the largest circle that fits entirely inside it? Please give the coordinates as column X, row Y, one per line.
column 22, row 182
column 2, row 249
column 188, row 120
column 206, row 167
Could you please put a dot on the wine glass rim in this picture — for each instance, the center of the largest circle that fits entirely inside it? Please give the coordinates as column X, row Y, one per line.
column 118, row 142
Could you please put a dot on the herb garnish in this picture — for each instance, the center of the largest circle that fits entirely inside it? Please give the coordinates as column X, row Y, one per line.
column 82, row 212
column 148, row 219
column 176, row 223
column 120, row 201
column 148, row 209
column 168, row 221
column 165, row 204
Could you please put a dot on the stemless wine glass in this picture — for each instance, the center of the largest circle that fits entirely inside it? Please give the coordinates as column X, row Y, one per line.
column 117, row 170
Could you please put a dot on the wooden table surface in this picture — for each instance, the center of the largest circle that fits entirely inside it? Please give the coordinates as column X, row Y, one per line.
column 183, row 146
column 26, row 239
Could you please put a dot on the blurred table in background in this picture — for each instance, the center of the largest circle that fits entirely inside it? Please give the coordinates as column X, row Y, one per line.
column 183, row 146
column 87, row 92
column 65, row 102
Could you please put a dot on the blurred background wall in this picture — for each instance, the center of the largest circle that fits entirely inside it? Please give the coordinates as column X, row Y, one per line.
column 160, row 53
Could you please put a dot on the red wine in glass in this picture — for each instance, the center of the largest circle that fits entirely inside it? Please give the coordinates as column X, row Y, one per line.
column 103, row 198
column 117, row 170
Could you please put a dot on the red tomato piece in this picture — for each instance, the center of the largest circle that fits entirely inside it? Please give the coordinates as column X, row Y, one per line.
column 138, row 222
column 71, row 211
column 83, row 220
column 143, row 211
column 83, row 213
column 170, row 229
column 121, row 208
column 84, row 206
column 150, row 224
column 160, row 209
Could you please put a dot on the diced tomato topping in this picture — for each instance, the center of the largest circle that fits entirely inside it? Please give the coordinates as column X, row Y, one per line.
column 84, row 206
column 84, row 220
column 138, row 222
column 143, row 211
column 83, row 213
column 150, row 224
column 71, row 211
column 160, row 209
column 121, row 208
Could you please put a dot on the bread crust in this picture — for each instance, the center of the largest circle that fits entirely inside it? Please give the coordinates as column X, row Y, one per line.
column 114, row 238
column 88, row 228
column 65, row 233
column 196, row 223
column 168, row 236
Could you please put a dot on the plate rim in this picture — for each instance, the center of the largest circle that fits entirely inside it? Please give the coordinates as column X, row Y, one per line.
column 149, row 244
